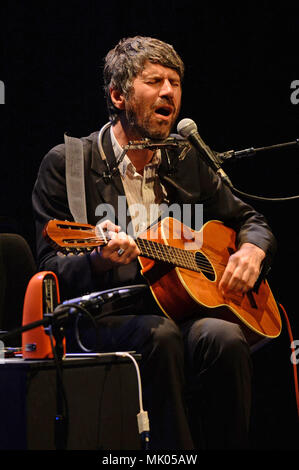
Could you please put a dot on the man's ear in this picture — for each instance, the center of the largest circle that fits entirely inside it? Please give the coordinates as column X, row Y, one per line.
column 117, row 98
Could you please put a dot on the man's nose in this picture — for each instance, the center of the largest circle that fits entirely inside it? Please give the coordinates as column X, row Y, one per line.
column 166, row 88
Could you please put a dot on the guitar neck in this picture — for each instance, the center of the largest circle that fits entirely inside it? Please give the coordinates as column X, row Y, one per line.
column 166, row 253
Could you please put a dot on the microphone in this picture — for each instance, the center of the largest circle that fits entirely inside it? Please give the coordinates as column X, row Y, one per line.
column 188, row 130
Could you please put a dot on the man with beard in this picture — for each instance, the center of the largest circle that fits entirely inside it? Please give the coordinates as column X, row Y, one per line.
column 197, row 375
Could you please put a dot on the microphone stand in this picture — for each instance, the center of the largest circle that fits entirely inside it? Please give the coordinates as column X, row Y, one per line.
column 221, row 157
column 61, row 417
column 252, row 151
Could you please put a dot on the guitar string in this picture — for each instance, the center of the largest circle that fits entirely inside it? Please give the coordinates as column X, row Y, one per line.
column 168, row 253
column 185, row 258
column 159, row 251
column 157, row 244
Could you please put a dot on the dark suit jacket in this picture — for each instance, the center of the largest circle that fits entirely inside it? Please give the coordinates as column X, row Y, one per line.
column 192, row 174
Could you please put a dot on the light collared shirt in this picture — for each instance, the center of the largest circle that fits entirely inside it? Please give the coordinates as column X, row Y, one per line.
column 144, row 192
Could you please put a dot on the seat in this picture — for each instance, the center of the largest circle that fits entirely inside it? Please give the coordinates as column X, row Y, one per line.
column 17, row 266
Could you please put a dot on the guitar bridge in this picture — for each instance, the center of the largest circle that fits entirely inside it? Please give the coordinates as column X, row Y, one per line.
column 251, row 299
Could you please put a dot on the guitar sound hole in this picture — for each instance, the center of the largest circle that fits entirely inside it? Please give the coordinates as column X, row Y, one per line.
column 204, row 265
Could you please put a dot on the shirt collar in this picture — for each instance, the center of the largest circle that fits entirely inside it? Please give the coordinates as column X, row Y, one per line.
column 126, row 164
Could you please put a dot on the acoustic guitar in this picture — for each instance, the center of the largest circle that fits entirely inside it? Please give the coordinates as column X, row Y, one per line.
column 183, row 268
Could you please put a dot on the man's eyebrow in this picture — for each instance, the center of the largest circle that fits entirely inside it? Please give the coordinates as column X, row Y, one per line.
column 151, row 74
column 156, row 75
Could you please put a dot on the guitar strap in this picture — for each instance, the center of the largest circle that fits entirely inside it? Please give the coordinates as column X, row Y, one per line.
column 75, row 181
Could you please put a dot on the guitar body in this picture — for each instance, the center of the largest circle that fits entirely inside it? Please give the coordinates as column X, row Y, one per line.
column 182, row 293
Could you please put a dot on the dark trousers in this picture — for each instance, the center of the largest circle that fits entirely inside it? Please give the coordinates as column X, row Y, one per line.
column 196, row 377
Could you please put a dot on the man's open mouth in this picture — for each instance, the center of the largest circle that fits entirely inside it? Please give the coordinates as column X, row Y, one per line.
column 164, row 111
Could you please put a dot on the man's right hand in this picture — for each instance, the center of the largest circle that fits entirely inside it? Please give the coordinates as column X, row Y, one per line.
column 120, row 250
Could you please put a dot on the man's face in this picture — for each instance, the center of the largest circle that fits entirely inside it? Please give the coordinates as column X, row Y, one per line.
column 154, row 102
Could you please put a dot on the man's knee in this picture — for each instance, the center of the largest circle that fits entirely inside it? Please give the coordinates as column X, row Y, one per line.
column 164, row 350
column 211, row 338
column 167, row 336
column 232, row 343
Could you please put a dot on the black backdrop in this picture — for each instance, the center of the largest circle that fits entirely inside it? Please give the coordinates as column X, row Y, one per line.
column 240, row 62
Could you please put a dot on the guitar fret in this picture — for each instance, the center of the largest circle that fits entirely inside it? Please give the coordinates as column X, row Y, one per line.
column 173, row 255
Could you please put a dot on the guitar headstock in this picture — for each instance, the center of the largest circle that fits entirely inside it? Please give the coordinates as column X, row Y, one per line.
column 72, row 237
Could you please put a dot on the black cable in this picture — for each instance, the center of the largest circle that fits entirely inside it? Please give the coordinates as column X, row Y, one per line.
column 252, row 151
column 91, row 318
column 261, row 198
column 77, row 335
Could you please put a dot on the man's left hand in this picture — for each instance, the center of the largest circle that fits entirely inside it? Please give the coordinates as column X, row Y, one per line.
column 242, row 270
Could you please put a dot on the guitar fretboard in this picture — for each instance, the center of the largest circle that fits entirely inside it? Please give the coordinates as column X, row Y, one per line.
column 172, row 255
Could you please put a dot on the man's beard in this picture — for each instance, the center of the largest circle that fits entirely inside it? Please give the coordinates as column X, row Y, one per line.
column 146, row 129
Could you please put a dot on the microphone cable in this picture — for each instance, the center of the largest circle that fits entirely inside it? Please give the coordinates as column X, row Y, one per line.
column 260, row 198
